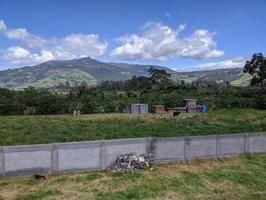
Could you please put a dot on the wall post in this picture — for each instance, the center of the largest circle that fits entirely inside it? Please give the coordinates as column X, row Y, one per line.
column 246, row 143
column 150, row 149
column 187, row 143
column 2, row 162
column 185, row 149
column 103, row 151
column 218, row 146
column 54, row 158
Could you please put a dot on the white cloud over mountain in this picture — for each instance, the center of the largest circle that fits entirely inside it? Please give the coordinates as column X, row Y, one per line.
column 35, row 49
column 159, row 42
column 17, row 55
column 156, row 42
column 231, row 63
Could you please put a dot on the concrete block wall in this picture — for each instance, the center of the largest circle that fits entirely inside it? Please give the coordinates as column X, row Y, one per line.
column 99, row 155
column 78, row 156
column 256, row 142
column 26, row 160
column 201, row 146
column 169, row 149
column 115, row 148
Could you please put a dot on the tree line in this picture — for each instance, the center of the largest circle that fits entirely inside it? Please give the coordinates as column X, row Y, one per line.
column 114, row 96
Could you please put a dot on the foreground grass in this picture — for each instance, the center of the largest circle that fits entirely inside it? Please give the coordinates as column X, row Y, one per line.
column 15, row 130
column 242, row 177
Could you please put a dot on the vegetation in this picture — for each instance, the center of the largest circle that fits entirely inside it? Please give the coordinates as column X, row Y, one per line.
column 257, row 68
column 242, row 177
column 55, row 72
column 111, row 96
column 15, row 130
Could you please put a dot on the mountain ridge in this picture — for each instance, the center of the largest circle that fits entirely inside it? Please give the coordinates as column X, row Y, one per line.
column 51, row 73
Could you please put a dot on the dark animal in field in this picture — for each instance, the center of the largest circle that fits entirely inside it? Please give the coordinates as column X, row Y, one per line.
column 175, row 114
column 39, row 177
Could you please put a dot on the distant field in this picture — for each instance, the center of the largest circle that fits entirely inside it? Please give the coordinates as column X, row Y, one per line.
column 239, row 178
column 15, row 130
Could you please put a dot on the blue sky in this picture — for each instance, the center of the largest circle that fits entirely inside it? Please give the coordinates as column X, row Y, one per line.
column 182, row 35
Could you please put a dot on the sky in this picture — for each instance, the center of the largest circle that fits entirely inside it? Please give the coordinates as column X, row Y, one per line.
column 180, row 34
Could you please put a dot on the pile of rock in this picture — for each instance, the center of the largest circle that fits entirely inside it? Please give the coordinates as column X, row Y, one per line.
column 130, row 162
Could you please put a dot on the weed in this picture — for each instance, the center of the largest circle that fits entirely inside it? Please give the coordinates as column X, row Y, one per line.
column 39, row 194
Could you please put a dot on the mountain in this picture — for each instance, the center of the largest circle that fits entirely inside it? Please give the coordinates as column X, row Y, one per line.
column 54, row 72
column 235, row 76
column 51, row 73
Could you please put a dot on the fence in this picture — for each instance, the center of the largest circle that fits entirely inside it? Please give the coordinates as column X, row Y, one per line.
column 98, row 155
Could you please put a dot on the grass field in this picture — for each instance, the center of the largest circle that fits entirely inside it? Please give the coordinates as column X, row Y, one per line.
column 242, row 177
column 15, row 130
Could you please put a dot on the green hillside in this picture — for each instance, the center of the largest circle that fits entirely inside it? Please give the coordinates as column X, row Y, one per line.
column 235, row 76
column 52, row 73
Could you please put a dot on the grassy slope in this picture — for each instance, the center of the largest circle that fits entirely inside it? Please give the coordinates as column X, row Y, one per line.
column 16, row 130
column 242, row 177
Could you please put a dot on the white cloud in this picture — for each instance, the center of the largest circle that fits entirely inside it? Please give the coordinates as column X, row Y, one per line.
column 159, row 42
column 17, row 55
column 69, row 47
column 23, row 35
column 2, row 25
column 78, row 45
column 226, row 64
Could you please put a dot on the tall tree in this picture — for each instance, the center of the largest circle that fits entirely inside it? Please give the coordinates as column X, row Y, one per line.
column 256, row 67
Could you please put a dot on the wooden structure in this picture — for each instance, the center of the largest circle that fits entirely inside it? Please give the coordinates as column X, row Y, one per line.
column 159, row 109
column 191, row 106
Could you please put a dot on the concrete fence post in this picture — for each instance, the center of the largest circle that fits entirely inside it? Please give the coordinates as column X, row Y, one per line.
column 2, row 162
column 103, row 151
column 150, row 149
column 218, row 146
column 54, row 158
column 187, row 143
column 264, row 141
column 246, row 143
column 185, row 149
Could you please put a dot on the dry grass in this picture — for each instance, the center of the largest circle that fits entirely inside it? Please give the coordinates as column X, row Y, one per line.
column 199, row 179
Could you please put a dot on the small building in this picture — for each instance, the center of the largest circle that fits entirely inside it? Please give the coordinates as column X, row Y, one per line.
column 159, row 109
column 192, row 106
column 139, row 108
column 191, row 102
